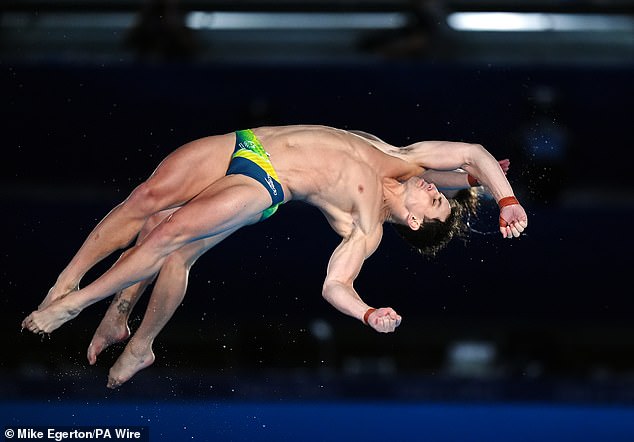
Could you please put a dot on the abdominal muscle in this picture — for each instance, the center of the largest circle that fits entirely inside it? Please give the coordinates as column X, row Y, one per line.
column 331, row 169
column 319, row 160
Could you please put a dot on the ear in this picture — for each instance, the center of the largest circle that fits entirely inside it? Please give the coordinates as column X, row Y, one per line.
column 413, row 222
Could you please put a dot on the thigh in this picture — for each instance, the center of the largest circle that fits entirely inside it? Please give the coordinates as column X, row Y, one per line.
column 191, row 168
column 231, row 202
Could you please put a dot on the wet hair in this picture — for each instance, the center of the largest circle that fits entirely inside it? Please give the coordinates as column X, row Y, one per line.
column 433, row 236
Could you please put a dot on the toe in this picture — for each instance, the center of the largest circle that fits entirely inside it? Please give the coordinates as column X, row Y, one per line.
column 113, row 383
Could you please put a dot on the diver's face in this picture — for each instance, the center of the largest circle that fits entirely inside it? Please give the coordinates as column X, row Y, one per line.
column 424, row 202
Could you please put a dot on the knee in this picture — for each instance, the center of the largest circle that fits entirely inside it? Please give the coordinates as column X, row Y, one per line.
column 150, row 224
column 145, row 199
column 168, row 236
column 176, row 261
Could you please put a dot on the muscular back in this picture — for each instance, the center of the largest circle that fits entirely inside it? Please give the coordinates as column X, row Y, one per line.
column 339, row 172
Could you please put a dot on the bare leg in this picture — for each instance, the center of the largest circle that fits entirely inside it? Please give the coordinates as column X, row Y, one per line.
column 115, row 231
column 230, row 203
column 114, row 326
column 181, row 176
column 167, row 295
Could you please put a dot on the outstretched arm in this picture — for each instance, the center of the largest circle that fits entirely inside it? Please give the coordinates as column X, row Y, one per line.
column 343, row 268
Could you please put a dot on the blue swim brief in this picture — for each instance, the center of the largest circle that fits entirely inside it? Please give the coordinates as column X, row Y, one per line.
column 250, row 159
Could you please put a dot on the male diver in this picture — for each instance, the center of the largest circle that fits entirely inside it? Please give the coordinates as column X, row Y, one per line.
column 207, row 189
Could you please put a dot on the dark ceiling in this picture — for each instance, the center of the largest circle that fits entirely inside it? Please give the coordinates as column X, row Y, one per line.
column 551, row 32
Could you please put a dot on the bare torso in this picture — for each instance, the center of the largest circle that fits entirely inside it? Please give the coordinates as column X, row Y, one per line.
column 337, row 171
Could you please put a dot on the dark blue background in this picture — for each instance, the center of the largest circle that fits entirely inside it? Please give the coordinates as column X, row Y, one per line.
column 78, row 138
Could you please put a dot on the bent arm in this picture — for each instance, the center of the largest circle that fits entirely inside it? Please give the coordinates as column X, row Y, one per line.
column 479, row 163
column 343, row 268
column 450, row 182
column 472, row 158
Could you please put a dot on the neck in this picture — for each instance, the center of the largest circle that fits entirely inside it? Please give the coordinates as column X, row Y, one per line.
column 392, row 198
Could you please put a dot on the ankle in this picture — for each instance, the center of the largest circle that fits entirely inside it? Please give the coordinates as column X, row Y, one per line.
column 65, row 285
column 140, row 346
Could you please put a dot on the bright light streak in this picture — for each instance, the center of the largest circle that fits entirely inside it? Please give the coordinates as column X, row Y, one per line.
column 293, row 20
column 538, row 22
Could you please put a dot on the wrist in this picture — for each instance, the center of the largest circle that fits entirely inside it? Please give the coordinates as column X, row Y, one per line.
column 507, row 201
column 367, row 314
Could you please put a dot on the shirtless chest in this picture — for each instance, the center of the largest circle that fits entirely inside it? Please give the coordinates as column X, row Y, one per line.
column 336, row 171
column 347, row 190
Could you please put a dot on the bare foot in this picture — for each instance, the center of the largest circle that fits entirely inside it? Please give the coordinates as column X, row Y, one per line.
column 54, row 294
column 111, row 331
column 131, row 361
column 50, row 318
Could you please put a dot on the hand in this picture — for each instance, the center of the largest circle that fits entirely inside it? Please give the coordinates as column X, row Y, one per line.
column 513, row 221
column 504, row 165
column 384, row 320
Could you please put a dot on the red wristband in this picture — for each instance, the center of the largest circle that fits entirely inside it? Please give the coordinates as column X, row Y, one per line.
column 367, row 315
column 507, row 201
column 473, row 181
